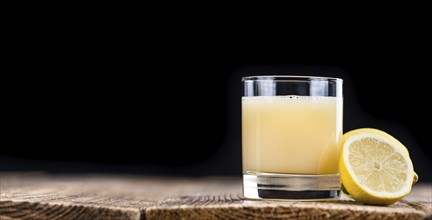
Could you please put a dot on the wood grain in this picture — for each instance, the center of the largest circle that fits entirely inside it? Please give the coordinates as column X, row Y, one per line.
column 42, row 196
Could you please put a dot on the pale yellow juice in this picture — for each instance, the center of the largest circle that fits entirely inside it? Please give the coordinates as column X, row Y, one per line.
column 291, row 134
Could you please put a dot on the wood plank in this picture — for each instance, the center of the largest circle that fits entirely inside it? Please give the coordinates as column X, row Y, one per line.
column 41, row 196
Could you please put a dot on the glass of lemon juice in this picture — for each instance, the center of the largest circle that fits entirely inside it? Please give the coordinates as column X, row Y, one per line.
column 291, row 137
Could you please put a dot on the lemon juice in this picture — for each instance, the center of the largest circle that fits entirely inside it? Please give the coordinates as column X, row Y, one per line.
column 291, row 134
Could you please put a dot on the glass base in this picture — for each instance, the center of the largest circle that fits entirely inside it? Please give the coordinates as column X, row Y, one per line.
column 291, row 186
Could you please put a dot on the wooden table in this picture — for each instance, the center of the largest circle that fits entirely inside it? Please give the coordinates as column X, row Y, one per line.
column 42, row 196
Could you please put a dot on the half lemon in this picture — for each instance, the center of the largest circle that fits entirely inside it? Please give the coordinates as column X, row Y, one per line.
column 374, row 167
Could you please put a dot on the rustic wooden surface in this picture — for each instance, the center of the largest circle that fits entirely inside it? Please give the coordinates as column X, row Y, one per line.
column 41, row 196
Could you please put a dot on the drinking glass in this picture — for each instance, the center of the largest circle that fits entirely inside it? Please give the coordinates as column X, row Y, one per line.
column 291, row 137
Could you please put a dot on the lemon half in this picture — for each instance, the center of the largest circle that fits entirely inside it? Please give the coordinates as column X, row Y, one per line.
column 374, row 167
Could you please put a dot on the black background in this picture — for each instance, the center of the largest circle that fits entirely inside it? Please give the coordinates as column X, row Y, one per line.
column 168, row 102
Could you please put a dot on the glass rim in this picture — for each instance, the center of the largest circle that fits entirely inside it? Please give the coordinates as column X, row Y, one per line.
column 290, row 78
